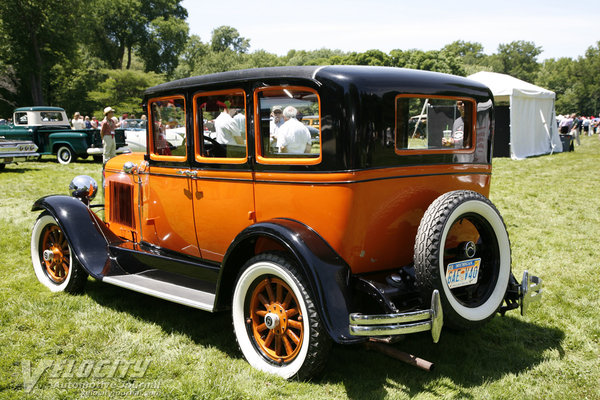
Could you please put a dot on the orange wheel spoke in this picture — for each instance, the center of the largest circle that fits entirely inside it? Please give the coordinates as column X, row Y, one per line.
column 261, row 328
column 269, row 290
column 261, row 313
column 279, row 293
column 269, row 339
column 295, row 324
column 263, row 300
column 291, row 312
column 293, row 336
column 278, row 345
column 287, row 345
column 288, row 299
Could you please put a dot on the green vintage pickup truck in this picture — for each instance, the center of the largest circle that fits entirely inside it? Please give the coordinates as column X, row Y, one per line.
column 49, row 129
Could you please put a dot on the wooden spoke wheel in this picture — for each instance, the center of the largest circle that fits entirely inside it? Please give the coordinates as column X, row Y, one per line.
column 53, row 261
column 56, row 254
column 275, row 320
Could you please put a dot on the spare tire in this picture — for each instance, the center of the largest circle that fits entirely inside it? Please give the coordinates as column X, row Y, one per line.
column 462, row 249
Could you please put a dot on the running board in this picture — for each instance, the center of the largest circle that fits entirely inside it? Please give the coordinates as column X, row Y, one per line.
column 164, row 290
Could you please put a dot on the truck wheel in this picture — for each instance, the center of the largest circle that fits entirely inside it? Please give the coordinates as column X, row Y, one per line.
column 64, row 155
column 52, row 257
column 462, row 231
column 275, row 321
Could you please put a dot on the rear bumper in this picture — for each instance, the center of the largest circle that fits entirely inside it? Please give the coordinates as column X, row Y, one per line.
column 99, row 150
column 432, row 319
column 401, row 323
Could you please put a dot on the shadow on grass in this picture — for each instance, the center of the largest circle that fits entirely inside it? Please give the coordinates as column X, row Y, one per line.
column 204, row 328
column 506, row 345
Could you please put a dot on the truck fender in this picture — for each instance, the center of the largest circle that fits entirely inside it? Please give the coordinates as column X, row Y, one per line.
column 87, row 235
column 76, row 140
column 327, row 273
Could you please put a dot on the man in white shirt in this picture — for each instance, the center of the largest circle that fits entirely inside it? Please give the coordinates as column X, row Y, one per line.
column 293, row 136
column 226, row 129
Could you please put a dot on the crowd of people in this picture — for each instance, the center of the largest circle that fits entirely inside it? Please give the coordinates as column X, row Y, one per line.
column 107, row 128
column 577, row 125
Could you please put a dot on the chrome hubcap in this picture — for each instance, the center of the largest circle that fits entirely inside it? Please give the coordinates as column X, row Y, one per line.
column 272, row 320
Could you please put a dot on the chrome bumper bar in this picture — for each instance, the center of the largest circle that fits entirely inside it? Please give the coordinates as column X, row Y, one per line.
column 530, row 291
column 401, row 323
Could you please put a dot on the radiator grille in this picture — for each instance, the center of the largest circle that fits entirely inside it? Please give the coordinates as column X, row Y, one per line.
column 121, row 201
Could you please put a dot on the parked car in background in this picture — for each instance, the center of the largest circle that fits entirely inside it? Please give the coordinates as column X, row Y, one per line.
column 49, row 129
column 135, row 135
column 371, row 233
column 16, row 151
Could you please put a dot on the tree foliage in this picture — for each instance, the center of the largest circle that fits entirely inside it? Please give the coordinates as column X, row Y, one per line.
column 123, row 89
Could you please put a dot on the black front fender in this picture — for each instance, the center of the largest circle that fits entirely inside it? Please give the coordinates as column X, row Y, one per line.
column 327, row 273
column 88, row 236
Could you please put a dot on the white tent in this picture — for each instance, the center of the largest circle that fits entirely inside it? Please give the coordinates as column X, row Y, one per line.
column 533, row 129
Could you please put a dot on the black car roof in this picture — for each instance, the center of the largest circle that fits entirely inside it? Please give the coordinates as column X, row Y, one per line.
column 366, row 77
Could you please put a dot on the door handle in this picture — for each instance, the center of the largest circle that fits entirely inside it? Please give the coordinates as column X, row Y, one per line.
column 187, row 172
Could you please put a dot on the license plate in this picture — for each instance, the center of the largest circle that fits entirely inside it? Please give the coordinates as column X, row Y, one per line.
column 462, row 273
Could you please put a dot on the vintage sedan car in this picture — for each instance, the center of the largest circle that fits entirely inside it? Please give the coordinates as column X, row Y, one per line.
column 369, row 233
column 135, row 135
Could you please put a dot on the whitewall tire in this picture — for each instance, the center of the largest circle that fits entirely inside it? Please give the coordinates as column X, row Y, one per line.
column 275, row 321
column 463, row 227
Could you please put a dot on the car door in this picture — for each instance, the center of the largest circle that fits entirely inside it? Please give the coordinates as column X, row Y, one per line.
column 169, row 212
column 222, row 180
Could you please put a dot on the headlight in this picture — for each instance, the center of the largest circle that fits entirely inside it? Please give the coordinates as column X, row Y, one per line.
column 84, row 188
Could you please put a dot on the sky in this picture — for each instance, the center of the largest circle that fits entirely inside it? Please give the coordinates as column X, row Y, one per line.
column 560, row 28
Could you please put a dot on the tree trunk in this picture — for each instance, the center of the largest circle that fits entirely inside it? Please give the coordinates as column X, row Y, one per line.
column 128, row 57
column 37, row 94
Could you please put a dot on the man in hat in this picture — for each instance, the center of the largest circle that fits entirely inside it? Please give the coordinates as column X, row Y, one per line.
column 276, row 122
column 108, row 135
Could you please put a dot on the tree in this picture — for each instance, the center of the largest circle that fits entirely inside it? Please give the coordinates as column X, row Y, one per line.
column 228, row 38
column 517, row 59
column 37, row 40
column 438, row 61
column 156, row 28
column 167, row 39
column 588, row 68
column 123, row 89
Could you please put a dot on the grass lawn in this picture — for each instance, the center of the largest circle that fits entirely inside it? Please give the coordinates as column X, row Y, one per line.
column 112, row 343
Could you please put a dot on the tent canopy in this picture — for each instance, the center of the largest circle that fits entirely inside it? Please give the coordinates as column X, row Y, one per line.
column 533, row 129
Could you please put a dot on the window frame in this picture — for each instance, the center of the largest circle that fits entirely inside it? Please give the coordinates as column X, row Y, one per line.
column 150, row 130
column 197, row 146
column 424, row 151
column 258, row 137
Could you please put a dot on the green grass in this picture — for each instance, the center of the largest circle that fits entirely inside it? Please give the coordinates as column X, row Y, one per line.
column 551, row 206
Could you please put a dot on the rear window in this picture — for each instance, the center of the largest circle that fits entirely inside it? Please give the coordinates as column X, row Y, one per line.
column 425, row 123
column 51, row 116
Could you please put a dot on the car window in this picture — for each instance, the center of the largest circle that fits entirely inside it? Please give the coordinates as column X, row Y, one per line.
column 51, row 116
column 282, row 130
column 167, row 128
column 21, row 118
column 220, row 123
column 425, row 123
